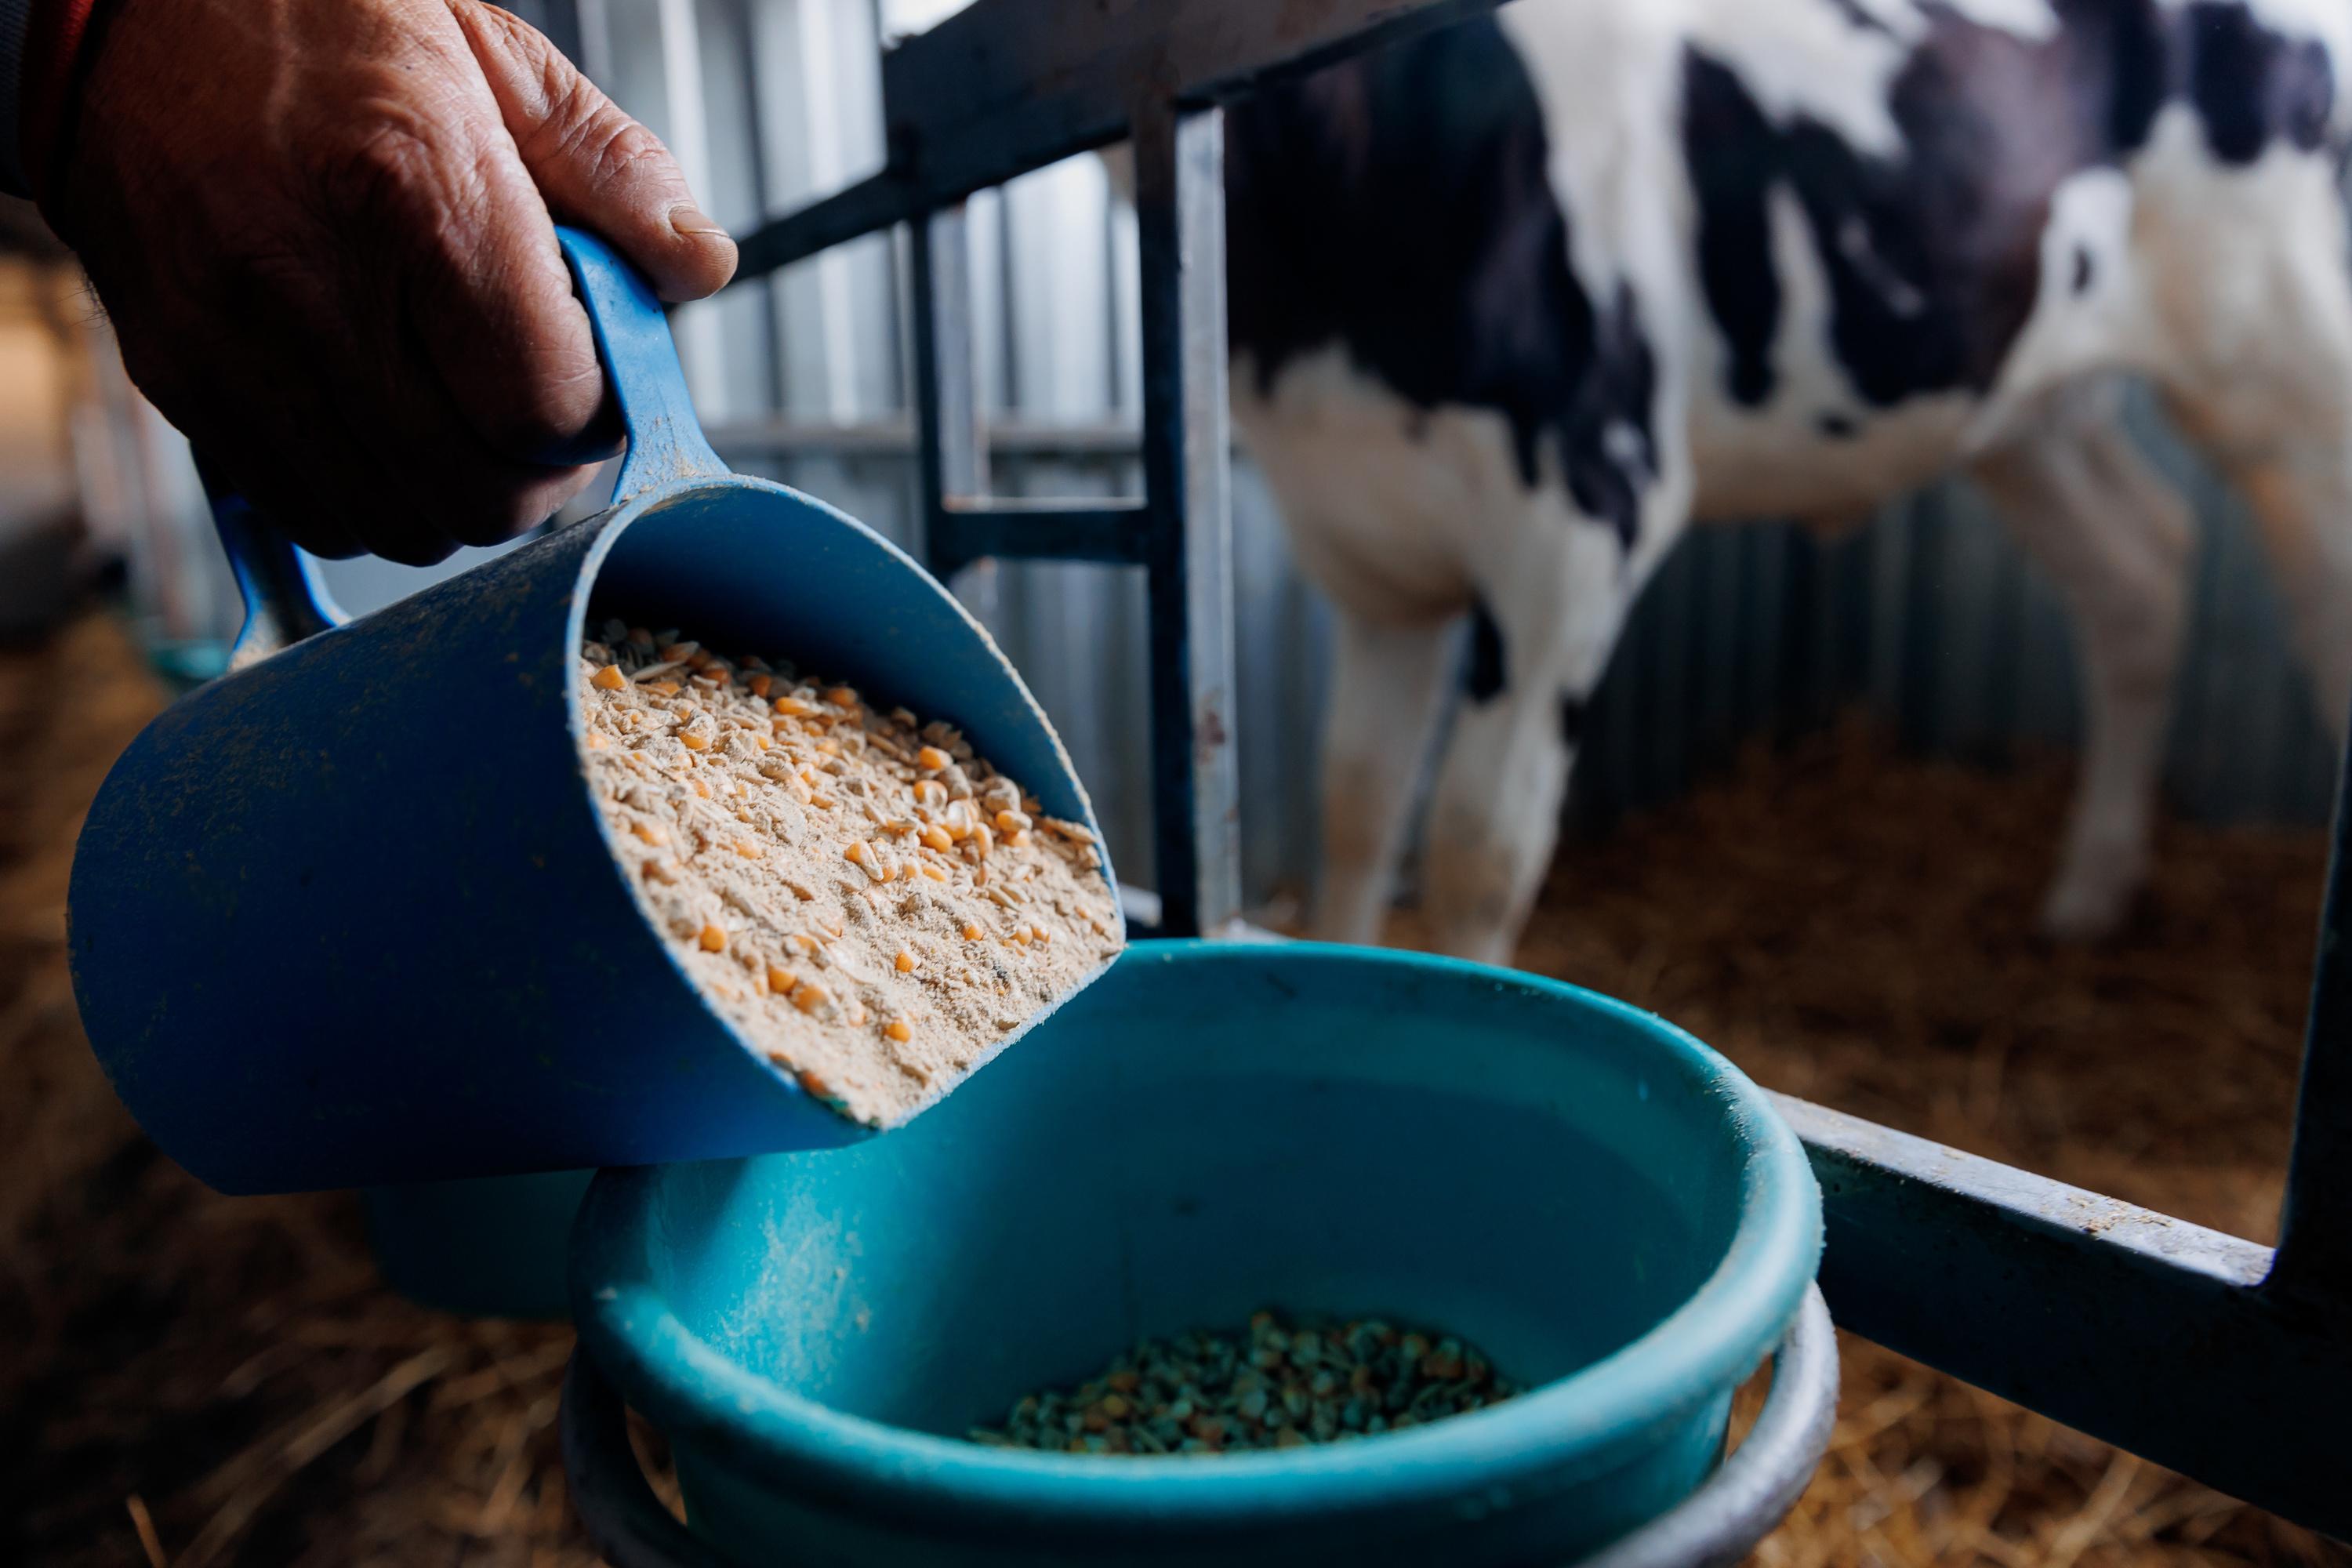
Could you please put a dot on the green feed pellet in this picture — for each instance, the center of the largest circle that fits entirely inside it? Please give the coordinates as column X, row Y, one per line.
column 1274, row 1386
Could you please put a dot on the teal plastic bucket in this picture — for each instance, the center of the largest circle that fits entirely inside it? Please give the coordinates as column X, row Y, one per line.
column 1604, row 1204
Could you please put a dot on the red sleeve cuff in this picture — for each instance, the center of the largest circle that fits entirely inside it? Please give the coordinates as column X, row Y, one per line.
column 51, row 71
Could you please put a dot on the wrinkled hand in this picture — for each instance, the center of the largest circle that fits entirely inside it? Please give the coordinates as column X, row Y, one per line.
column 322, row 230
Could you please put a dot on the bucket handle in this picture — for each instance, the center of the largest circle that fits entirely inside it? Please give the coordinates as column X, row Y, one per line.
column 1753, row 1490
column 285, row 599
column 1716, row 1526
column 627, row 1525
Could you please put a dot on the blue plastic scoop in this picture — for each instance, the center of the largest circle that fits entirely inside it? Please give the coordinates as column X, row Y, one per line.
column 347, row 915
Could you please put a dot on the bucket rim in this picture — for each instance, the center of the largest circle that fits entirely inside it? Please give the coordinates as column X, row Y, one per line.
column 1581, row 1423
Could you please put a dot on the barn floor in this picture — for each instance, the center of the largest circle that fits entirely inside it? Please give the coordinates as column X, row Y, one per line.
column 192, row 1380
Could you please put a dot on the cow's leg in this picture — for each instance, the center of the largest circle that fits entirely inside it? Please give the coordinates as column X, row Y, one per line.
column 1494, row 820
column 2115, row 535
column 2302, row 501
column 2259, row 300
column 1386, row 681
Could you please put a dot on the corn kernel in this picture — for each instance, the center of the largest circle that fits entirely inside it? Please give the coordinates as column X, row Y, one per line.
column 829, row 747
column 781, row 980
column 761, row 684
column 651, row 832
column 810, row 997
column 596, row 743
column 934, row 873
column 791, row 707
column 906, row 960
column 1039, row 933
column 713, row 939
column 702, row 789
column 936, row 837
column 842, row 697
column 972, row 932
column 855, row 853
column 697, row 659
column 694, row 742
column 642, row 637
column 897, row 1031
column 609, row 678
column 1010, row 822
column 749, row 850
column 931, row 759
column 815, row 1085
column 667, row 687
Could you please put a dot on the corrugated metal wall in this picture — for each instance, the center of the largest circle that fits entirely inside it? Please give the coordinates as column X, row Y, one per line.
column 1929, row 616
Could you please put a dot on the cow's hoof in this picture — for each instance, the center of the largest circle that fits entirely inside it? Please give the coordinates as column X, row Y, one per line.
column 2086, row 909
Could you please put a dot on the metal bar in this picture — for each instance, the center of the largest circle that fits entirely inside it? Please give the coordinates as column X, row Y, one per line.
column 1024, row 84
column 1196, row 787
column 877, row 202
column 2315, row 1222
column 894, row 436
column 952, row 462
column 1008, row 86
column 1113, row 535
column 2146, row 1331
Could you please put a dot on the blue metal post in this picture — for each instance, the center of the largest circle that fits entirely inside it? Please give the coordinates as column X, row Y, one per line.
column 2314, row 1254
column 1196, row 787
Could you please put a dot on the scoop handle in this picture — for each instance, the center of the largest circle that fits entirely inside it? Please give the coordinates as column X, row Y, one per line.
column 633, row 339
column 286, row 601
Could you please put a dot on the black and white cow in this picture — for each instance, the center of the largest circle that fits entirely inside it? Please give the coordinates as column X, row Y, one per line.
column 1514, row 304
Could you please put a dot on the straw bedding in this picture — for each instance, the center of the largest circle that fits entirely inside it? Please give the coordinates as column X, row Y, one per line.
column 192, row 1380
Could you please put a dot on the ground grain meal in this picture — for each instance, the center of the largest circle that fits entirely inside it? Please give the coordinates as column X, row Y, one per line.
column 870, row 904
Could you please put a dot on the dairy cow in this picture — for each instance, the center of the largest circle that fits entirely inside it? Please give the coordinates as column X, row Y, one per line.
column 1515, row 303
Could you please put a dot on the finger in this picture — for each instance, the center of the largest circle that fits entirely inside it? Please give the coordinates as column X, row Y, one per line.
column 246, row 451
column 595, row 165
column 393, row 458
column 314, row 478
column 463, row 253
column 380, row 440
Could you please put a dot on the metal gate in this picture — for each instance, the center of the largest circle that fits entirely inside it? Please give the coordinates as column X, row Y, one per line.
column 2062, row 1300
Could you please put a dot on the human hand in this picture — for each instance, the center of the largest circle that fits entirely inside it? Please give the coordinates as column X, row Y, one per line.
column 323, row 231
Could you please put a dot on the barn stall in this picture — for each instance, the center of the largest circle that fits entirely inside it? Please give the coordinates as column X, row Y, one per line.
column 1823, row 785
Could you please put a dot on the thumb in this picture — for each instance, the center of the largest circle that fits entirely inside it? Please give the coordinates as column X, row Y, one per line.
column 595, row 167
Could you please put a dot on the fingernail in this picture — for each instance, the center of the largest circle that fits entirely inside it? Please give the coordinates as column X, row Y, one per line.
column 691, row 220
